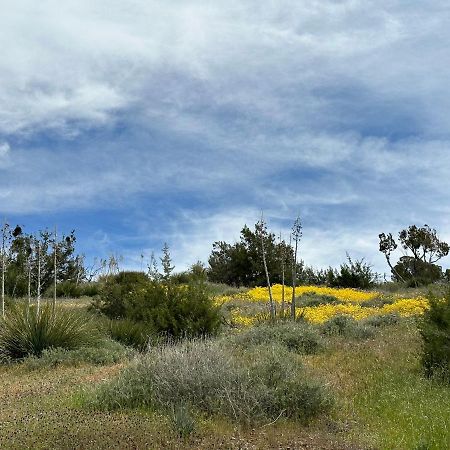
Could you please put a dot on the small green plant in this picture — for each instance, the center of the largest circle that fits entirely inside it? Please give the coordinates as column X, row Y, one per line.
column 183, row 421
column 435, row 330
column 382, row 320
column 24, row 331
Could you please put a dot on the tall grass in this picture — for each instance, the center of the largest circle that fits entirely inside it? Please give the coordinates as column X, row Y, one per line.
column 25, row 332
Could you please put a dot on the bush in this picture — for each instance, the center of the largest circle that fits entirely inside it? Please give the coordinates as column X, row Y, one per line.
column 352, row 274
column 382, row 320
column 435, row 330
column 314, row 299
column 210, row 379
column 343, row 325
column 23, row 332
column 106, row 353
column 129, row 333
column 169, row 309
column 298, row 337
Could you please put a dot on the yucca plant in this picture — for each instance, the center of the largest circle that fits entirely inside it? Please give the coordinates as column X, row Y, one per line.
column 25, row 331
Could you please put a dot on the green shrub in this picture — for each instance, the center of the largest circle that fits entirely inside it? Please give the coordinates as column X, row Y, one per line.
column 344, row 325
column 260, row 386
column 129, row 333
column 382, row 320
column 435, row 330
column 23, row 332
column 298, row 337
column 106, row 353
column 183, row 421
column 313, row 299
column 167, row 308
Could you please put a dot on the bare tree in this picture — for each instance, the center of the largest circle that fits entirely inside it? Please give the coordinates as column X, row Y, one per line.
column 5, row 234
column 262, row 226
column 283, row 258
column 296, row 236
column 55, row 247
column 38, row 261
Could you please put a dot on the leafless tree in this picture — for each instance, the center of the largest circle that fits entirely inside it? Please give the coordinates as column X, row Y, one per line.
column 262, row 227
column 296, row 236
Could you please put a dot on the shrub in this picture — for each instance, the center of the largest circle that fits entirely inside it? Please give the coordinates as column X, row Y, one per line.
column 352, row 274
column 209, row 378
column 314, row 299
column 435, row 330
column 129, row 333
column 23, row 332
column 106, row 353
column 298, row 337
column 382, row 320
column 169, row 309
column 344, row 325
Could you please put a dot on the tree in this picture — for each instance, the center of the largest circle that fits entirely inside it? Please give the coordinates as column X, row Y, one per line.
column 240, row 263
column 426, row 249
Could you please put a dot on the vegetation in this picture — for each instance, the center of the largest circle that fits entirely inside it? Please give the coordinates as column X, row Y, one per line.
column 435, row 331
column 24, row 331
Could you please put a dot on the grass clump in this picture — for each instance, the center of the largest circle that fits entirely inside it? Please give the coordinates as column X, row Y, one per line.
column 382, row 320
column 313, row 299
column 347, row 326
column 106, row 353
column 260, row 386
column 299, row 337
column 25, row 332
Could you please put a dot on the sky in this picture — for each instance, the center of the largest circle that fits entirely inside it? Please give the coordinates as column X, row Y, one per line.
column 139, row 122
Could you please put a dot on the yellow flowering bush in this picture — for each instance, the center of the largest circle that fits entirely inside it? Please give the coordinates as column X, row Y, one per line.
column 352, row 304
column 346, row 295
column 407, row 307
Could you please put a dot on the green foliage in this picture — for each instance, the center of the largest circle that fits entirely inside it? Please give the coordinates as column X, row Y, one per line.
column 301, row 338
column 382, row 320
column 129, row 333
column 314, row 299
column 24, row 332
column 167, row 308
column 352, row 274
column 240, row 264
column 416, row 272
column 435, row 331
column 205, row 375
column 107, row 352
column 343, row 325
column 183, row 421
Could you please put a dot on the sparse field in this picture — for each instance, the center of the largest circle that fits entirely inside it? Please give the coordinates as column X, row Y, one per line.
column 381, row 400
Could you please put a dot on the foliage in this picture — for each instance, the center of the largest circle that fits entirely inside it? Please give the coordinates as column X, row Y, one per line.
column 416, row 272
column 132, row 334
column 352, row 274
column 167, row 308
column 211, row 379
column 435, row 331
column 298, row 337
column 343, row 325
column 382, row 320
column 241, row 264
column 314, row 299
column 107, row 352
column 25, row 332
column 426, row 249
column 27, row 250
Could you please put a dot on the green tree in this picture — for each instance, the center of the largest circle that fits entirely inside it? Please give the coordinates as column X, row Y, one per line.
column 426, row 249
column 241, row 263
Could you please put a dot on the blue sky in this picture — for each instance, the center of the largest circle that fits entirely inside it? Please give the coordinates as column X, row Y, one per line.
column 137, row 122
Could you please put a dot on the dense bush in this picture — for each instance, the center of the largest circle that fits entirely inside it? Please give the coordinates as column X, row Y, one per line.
column 352, row 274
column 210, row 379
column 314, row 299
column 107, row 352
column 344, row 325
column 167, row 308
column 435, row 331
column 298, row 337
column 24, row 332
column 416, row 272
column 129, row 333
